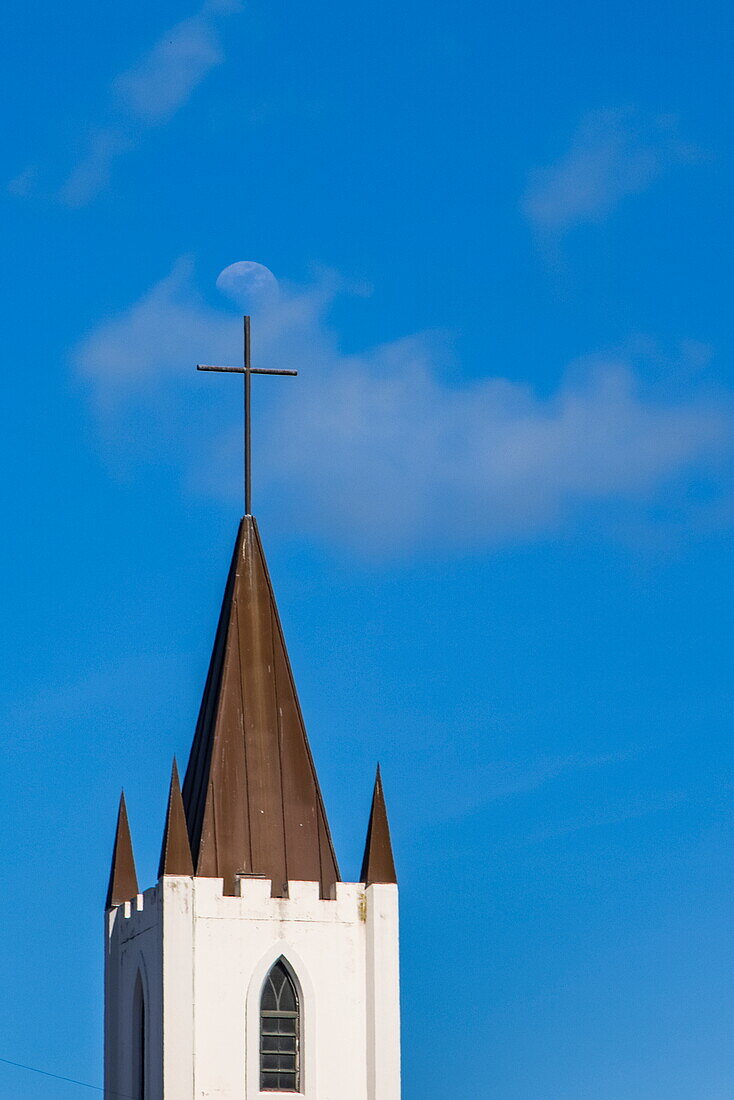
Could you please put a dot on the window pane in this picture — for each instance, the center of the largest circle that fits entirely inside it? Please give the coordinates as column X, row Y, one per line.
column 270, row 1000
column 278, row 1044
column 282, row 1062
column 287, row 996
column 273, row 1026
column 279, row 1061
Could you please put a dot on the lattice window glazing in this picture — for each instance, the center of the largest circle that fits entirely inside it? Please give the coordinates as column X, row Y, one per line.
column 279, row 1032
column 139, row 1041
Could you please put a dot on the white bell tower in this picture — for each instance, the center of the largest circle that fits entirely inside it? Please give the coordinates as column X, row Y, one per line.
column 251, row 970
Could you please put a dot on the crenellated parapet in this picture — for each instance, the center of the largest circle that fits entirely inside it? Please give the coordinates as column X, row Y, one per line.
column 254, row 901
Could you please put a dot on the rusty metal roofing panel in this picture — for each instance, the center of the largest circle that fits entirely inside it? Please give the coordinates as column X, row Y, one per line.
column 175, row 850
column 225, row 827
column 197, row 772
column 251, row 794
column 378, row 864
column 123, row 884
column 260, row 702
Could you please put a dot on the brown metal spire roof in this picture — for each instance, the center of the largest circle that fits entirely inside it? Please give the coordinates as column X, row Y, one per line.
column 123, row 879
column 378, row 864
column 251, row 793
column 175, row 851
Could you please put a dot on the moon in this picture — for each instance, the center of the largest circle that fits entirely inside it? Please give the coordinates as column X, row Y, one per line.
column 250, row 285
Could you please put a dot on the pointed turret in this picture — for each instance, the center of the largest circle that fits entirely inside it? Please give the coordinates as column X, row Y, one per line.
column 175, row 850
column 378, row 864
column 123, row 879
column 252, row 798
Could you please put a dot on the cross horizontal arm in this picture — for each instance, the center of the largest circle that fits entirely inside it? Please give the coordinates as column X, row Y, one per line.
column 244, row 370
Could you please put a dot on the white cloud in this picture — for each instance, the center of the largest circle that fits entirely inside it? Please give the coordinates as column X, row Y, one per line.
column 630, row 808
column 475, row 781
column 92, row 173
column 156, row 335
column 24, row 183
column 614, row 153
column 165, row 78
column 374, row 449
column 149, row 94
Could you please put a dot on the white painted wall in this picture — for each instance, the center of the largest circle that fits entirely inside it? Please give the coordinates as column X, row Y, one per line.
column 204, row 958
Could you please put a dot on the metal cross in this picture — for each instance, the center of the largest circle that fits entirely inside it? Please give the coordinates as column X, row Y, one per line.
column 247, row 371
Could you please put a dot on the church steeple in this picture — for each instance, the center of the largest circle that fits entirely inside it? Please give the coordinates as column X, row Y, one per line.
column 250, row 967
column 123, row 884
column 252, row 799
column 378, row 864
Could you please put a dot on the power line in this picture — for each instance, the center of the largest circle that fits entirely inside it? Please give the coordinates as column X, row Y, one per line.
column 68, row 1080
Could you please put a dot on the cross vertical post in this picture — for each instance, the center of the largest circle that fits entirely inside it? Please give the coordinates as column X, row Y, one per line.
column 247, row 370
column 248, row 423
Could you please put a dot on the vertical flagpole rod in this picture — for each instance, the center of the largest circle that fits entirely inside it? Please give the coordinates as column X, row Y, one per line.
column 248, row 441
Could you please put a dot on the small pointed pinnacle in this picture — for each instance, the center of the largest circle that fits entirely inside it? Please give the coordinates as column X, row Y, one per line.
column 378, row 865
column 176, row 850
column 123, row 878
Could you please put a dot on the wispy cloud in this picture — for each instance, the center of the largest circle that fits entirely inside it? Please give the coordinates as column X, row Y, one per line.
column 166, row 76
column 613, row 154
column 93, row 171
column 375, row 449
column 475, row 782
column 24, row 183
column 629, row 809
column 145, row 96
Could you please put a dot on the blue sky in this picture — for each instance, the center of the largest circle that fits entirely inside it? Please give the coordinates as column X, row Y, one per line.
column 497, row 502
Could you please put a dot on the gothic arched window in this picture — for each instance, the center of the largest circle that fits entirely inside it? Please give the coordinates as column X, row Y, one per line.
column 138, row 1067
column 280, row 1032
